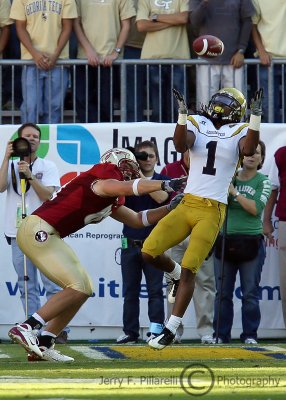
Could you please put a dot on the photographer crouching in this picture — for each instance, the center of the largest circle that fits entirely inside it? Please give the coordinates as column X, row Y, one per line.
column 28, row 181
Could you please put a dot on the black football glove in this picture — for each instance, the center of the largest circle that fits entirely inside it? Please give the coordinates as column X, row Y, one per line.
column 256, row 103
column 175, row 201
column 182, row 107
column 174, row 185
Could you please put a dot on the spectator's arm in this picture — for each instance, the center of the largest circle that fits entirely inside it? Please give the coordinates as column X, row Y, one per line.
column 265, row 58
column 237, row 59
column 267, row 217
column 164, row 21
column 4, row 37
column 62, row 41
column 122, row 37
column 4, row 167
column 90, row 52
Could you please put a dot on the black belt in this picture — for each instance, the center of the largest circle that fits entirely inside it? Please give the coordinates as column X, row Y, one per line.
column 135, row 243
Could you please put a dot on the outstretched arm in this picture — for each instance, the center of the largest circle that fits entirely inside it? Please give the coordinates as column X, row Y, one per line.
column 137, row 187
column 249, row 143
column 147, row 217
column 183, row 139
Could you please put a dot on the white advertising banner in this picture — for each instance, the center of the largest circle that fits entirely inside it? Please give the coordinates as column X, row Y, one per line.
column 75, row 148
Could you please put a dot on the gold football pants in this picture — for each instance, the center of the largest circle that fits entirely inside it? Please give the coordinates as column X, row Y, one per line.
column 42, row 244
column 198, row 217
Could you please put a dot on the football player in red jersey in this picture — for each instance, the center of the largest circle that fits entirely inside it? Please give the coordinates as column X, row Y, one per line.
column 89, row 198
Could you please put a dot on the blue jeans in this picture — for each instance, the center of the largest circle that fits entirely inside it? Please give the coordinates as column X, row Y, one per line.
column 135, row 99
column 277, row 95
column 132, row 267
column 43, row 94
column 161, row 84
column 250, row 275
column 51, row 288
column 93, row 93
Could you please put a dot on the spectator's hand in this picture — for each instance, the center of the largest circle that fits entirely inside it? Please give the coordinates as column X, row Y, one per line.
column 175, row 201
column 108, row 60
column 268, row 229
column 41, row 60
column 52, row 59
column 232, row 190
column 9, row 150
column 265, row 58
column 174, row 185
column 237, row 60
column 24, row 168
column 92, row 57
column 182, row 107
column 256, row 103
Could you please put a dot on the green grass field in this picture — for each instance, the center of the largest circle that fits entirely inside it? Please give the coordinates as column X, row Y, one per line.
column 106, row 371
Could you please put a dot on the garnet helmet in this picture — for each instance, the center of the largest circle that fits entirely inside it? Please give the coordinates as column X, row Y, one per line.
column 125, row 161
column 227, row 105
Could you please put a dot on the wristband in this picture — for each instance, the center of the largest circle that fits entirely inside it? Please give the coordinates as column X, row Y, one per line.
column 135, row 187
column 145, row 221
column 254, row 122
column 182, row 119
column 236, row 194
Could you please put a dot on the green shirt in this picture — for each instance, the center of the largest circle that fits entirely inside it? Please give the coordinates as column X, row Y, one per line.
column 239, row 220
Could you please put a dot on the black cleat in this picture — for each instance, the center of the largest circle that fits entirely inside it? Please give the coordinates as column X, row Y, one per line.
column 165, row 338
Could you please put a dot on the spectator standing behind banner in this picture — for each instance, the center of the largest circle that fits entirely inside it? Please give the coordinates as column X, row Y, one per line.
column 277, row 176
column 244, row 250
column 102, row 28
column 165, row 25
column 42, row 179
column 204, row 293
column 268, row 34
column 44, row 29
column 229, row 20
column 5, row 23
column 132, row 263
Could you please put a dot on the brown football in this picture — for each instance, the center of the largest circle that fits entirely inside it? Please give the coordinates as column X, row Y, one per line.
column 208, row 46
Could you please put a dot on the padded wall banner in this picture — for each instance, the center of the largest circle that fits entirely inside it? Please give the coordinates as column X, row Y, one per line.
column 75, row 148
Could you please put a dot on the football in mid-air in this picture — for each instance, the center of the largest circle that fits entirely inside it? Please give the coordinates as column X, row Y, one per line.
column 208, row 46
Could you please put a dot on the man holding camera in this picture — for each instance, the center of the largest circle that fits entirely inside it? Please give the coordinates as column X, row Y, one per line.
column 41, row 179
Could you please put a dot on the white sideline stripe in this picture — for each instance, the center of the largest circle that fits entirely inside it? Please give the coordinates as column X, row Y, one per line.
column 90, row 353
column 274, row 348
column 4, row 356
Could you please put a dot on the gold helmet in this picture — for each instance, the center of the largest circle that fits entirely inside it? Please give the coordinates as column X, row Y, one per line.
column 125, row 161
column 227, row 105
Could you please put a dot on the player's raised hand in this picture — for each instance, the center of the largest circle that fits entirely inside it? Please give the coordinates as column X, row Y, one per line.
column 256, row 103
column 183, row 109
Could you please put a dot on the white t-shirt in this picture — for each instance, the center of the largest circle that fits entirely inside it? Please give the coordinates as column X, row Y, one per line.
column 46, row 172
column 213, row 157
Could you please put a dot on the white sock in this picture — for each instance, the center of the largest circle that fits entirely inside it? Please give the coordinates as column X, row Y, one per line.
column 47, row 333
column 39, row 318
column 173, row 323
column 176, row 273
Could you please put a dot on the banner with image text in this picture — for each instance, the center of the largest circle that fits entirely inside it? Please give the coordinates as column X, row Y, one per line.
column 75, row 148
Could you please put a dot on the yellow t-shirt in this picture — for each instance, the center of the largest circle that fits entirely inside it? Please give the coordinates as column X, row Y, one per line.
column 44, row 23
column 101, row 21
column 5, row 7
column 167, row 43
column 270, row 18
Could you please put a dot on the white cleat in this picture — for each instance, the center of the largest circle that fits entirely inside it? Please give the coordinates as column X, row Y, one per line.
column 24, row 335
column 165, row 338
column 173, row 291
column 54, row 355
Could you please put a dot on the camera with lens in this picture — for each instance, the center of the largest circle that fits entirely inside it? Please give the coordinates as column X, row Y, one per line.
column 21, row 148
column 140, row 155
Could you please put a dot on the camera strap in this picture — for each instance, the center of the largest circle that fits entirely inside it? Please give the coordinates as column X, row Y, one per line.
column 14, row 179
